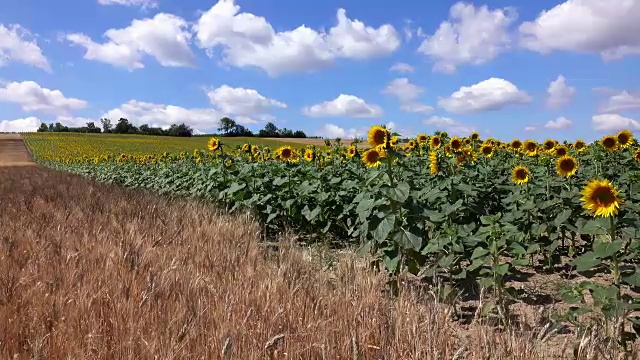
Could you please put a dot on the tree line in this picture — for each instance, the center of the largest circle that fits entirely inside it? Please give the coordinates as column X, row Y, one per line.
column 227, row 127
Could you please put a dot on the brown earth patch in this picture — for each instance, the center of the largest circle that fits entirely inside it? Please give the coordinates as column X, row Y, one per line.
column 13, row 152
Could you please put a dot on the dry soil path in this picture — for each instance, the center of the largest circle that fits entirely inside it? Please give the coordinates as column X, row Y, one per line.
column 13, row 152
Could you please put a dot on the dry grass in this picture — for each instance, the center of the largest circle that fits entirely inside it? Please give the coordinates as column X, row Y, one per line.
column 89, row 271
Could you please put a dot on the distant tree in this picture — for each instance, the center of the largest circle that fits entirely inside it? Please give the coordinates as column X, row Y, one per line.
column 124, row 127
column 43, row 128
column 239, row 130
column 50, row 126
column 106, row 125
column 286, row 133
column 92, row 128
column 180, row 130
column 58, row 127
column 270, row 130
column 226, row 125
column 299, row 134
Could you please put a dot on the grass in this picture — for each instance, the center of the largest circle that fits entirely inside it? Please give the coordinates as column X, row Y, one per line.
column 90, row 270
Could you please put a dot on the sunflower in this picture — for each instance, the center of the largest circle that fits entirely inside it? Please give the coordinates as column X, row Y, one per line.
column 566, row 166
column 520, row 175
column 636, row 155
column 411, row 145
column 422, row 139
column 394, row 140
column 475, row 136
column 352, row 151
column 456, row 143
column 435, row 142
column 286, row 153
column 549, row 144
column 600, row 198
column 487, row 150
column 580, row 145
column 467, row 141
column 255, row 149
column 560, row 151
column 530, row 147
column 433, row 162
column 213, row 144
column 371, row 157
column 516, row 145
column 246, row 147
column 625, row 138
column 377, row 136
column 309, row 155
column 610, row 143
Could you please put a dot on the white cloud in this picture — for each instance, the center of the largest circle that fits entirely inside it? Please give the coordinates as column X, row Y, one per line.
column 613, row 122
column 491, row 94
column 344, row 105
column 248, row 40
column 141, row 3
column 404, row 90
column 530, row 128
column 76, row 121
column 14, row 47
column 623, row 101
column 29, row 124
column 471, row 36
column 559, row 93
column 161, row 115
column 402, row 68
column 559, row 123
column 241, row 101
column 451, row 126
column 587, row 26
column 32, row 97
column 165, row 37
column 332, row 131
column 416, row 108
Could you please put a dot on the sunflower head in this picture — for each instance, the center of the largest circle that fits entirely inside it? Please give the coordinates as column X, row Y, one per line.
column 549, row 144
column 309, row 155
column 435, row 142
column 636, row 155
column 600, row 198
column 516, row 145
column 286, row 153
column 566, row 166
column 255, row 149
column 394, row 140
column 625, row 138
column 411, row 144
column 475, row 136
column 377, row 136
column 609, row 143
column 530, row 147
column 422, row 139
column 372, row 157
column 213, row 144
column 433, row 162
column 580, row 145
column 352, row 151
column 456, row 143
column 560, row 151
column 487, row 150
column 520, row 175
column 246, row 147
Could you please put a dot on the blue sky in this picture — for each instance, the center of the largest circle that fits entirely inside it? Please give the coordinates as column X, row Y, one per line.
column 504, row 68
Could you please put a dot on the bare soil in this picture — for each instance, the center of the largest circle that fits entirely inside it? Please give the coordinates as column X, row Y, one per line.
column 13, row 152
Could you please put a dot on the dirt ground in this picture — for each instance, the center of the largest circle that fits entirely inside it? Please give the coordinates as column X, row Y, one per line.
column 13, row 152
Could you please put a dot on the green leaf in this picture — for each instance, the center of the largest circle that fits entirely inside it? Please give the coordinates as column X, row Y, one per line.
column 594, row 227
column 407, row 239
column 479, row 252
column 399, row 193
column 585, row 262
column 604, row 249
column 384, row 228
column 633, row 279
column 562, row 217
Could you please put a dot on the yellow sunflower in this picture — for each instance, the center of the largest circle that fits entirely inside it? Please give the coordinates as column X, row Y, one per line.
column 433, row 162
column 580, row 145
column 566, row 166
column 636, row 155
column 286, row 153
column 625, row 138
column 435, row 142
column 255, row 149
column 530, row 147
column 456, row 144
column 549, row 144
column 560, row 151
column 487, row 150
column 352, row 151
column 246, row 147
column 516, row 145
column 475, row 136
column 372, row 157
column 213, row 144
column 609, row 143
column 411, row 145
column 309, row 155
column 377, row 136
column 394, row 140
column 422, row 139
column 520, row 175
column 600, row 198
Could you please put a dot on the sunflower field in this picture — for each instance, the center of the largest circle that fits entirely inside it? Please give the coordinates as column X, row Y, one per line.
column 461, row 213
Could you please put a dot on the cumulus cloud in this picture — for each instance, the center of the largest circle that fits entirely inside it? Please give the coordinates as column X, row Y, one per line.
column 586, row 26
column 402, row 68
column 416, row 108
column 559, row 93
column 623, row 101
column 491, row 94
column 332, row 131
column 407, row 93
column 472, row 35
column 248, row 40
column 613, row 122
column 559, row 123
column 344, row 105
column 29, row 124
column 16, row 47
column 241, row 101
column 530, row 128
column 141, row 3
column 451, row 126
column 33, row 97
column 165, row 37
